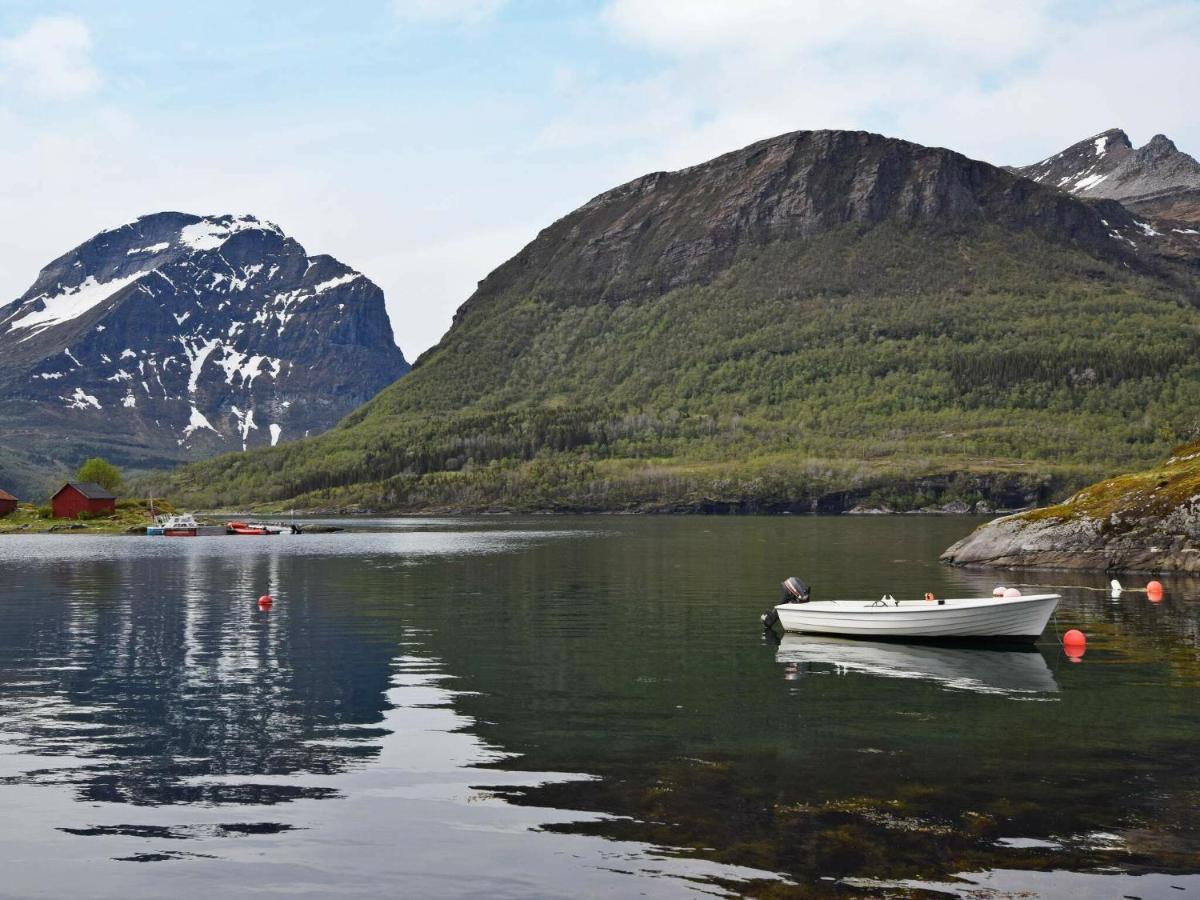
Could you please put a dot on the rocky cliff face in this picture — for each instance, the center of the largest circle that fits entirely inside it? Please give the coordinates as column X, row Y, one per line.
column 1143, row 522
column 1156, row 180
column 179, row 336
column 670, row 229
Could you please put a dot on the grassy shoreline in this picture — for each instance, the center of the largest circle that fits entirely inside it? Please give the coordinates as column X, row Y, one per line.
column 131, row 517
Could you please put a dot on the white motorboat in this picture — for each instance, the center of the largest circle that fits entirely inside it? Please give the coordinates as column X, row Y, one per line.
column 1008, row 617
column 984, row 671
column 182, row 526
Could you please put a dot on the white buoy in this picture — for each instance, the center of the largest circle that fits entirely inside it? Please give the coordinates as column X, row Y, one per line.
column 1116, row 586
column 998, row 591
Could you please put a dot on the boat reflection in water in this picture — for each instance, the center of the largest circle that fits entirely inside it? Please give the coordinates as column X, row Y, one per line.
column 1017, row 672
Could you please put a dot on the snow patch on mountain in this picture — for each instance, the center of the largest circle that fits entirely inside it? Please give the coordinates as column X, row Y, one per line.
column 196, row 353
column 153, row 248
column 197, row 421
column 335, row 282
column 81, row 400
column 71, row 303
column 209, row 234
column 245, row 423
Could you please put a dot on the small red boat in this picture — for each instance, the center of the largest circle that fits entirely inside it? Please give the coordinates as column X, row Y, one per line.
column 251, row 528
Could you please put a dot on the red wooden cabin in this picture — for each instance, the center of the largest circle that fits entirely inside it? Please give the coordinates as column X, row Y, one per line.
column 7, row 503
column 77, row 497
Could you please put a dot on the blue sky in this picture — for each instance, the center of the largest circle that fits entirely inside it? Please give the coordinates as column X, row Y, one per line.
column 424, row 142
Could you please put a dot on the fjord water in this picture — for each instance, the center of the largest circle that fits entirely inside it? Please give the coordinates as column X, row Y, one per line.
column 575, row 707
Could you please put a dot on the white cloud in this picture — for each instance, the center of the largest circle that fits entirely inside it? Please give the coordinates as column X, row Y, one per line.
column 446, row 12
column 979, row 29
column 50, row 60
column 1008, row 82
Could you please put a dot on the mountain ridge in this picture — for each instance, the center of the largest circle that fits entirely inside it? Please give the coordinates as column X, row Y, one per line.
column 715, row 338
column 1156, row 180
column 875, row 191
column 177, row 336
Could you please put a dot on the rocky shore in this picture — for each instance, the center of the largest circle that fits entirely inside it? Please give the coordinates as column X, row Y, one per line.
column 1141, row 522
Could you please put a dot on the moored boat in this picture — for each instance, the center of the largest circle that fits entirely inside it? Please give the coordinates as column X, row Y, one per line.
column 1008, row 618
column 182, row 526
column 253, row 528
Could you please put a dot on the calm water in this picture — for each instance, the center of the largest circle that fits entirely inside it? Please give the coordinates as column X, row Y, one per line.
column 575, row 707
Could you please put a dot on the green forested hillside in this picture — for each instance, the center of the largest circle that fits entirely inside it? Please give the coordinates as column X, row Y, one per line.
column 891, row 362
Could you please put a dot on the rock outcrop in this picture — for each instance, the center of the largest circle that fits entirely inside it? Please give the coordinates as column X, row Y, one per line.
column 1143, row 522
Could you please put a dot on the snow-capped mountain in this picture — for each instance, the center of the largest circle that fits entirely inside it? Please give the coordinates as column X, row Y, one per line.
column 179, row 336
column 1156, row 180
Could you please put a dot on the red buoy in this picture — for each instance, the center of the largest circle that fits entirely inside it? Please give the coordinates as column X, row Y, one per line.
column 264, row 602
column 1154, row 590
column 1075, row 645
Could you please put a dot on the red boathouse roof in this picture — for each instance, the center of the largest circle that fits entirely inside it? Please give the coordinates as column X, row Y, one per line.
column 89, row 489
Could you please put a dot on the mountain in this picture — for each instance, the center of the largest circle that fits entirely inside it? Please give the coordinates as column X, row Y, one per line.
column 817, row 320
column 1145, row 521
column 1157, row 180
column 179, row 336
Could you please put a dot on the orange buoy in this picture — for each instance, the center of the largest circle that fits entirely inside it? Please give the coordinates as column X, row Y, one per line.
column 1154, row 590
column 1012, row 592
column 264, row 602
column 1075, row 645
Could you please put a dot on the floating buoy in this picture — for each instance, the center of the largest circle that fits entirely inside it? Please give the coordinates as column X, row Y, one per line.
column 998, row 591
column 1154, row 590
column 1074, row 638
column 1012, row 592
column 929, row 597
column 1116, row 587
column 265, row 601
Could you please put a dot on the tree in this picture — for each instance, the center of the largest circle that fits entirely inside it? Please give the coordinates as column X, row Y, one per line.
column 102, row 472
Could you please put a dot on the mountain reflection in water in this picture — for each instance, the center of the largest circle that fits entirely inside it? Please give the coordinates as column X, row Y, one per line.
column 148, row 706
column 570, row 707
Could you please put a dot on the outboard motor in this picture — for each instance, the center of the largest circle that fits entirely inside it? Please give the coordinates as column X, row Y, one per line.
column 793, row 591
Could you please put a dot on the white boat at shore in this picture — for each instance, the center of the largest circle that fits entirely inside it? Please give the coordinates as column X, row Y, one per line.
column 983, row 671
column 182, row 526
column 1012, row 618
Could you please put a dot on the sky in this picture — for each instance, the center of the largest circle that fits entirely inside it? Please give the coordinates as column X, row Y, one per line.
column 423, row 142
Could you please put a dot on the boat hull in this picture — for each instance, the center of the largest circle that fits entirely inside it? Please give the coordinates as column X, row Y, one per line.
column 1013, row 619
column 195, row 531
